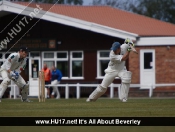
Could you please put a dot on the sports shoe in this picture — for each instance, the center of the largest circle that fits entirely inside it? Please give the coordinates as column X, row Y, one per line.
column 124, row 100
column 87, row 100
column 57, row 97
column 53, row 93
column 25, row 100
column 90, row 100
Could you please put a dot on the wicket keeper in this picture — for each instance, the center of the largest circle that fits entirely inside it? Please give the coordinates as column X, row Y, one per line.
column 11, row 69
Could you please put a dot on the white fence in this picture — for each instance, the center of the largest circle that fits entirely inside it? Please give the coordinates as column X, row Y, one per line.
column 112, row 86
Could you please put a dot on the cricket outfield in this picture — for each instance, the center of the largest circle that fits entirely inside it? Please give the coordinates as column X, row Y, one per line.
column 145, row 107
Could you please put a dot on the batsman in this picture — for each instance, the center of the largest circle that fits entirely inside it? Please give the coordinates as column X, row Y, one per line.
column 116, row 68
column 11, row 69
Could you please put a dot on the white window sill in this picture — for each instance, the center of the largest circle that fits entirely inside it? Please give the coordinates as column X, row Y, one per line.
column 103, row 77
column 73, row 78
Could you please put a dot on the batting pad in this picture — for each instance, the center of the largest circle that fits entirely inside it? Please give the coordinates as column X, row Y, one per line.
column 24, row 92
column 99, row 91
column 126, row 77
column 124, row 90
column 2, row 90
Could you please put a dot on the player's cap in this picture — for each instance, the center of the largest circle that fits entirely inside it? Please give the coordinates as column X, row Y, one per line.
column 24, row 49
column 115, row 46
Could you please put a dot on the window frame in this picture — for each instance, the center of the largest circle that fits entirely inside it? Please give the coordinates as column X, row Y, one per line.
column 98, row 62
column 55, row 59
column 75, row 59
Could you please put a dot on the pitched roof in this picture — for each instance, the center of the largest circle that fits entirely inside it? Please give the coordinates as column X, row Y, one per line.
column 113, row 18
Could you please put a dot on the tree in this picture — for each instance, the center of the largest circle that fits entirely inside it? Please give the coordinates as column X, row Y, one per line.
column 121, row 4
column 159, row 9
column 96, row 2
column 69, row 2
column 75, row 2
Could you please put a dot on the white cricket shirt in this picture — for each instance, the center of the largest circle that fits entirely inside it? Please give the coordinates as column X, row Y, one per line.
column 115, row 63
column 13, row 62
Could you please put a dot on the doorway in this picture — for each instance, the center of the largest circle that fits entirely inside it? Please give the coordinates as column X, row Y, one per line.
column 34, row 67
column 147, row 68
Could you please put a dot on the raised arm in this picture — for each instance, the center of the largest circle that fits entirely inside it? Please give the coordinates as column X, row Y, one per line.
column 125, row 56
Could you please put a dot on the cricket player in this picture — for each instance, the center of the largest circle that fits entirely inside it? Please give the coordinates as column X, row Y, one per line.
column 116, row 68
column 11, row 69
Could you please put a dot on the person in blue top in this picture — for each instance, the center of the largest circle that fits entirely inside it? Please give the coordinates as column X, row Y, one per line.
column 56, row 76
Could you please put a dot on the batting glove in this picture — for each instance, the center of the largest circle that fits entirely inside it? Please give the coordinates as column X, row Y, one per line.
column 132, row 44
column 129, row 49
column 129, row 42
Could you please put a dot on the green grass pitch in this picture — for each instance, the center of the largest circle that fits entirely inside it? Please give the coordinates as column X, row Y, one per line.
column 147, row 107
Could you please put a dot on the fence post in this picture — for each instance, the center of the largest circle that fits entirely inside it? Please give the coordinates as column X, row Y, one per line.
column 14, row 95
column 151, row 91
column 11, row 91
column 78, row 90
column 67, row 92
column 111, row 91
column 119, row 91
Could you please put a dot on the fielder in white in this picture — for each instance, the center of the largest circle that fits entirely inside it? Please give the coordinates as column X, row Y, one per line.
column 116, row 68
column 11, row 69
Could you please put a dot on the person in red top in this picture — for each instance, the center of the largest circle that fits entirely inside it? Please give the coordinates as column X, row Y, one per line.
column 47, row 77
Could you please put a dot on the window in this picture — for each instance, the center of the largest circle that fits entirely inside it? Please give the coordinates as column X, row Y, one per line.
column 49, row 63
column 76, row 64
column 48, row 55
column 63, row 66
column 48, row 58
column 71, row 65
column 148, row 60
column 62, row 63
column 102, row 62
column 58, row 59
column 62, row 55
column 34, row 54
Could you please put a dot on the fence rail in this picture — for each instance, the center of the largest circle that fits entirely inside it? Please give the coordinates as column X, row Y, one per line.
column 112, row 86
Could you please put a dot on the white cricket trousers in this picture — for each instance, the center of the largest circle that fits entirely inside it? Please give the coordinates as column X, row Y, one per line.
column 7, row 80
column 55, row 88
column 109, row 78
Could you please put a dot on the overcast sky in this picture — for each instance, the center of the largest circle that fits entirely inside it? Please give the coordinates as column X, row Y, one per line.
column 87, row 2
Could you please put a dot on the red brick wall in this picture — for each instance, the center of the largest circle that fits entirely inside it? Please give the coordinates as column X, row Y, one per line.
column 134, row 67
column 164, row 64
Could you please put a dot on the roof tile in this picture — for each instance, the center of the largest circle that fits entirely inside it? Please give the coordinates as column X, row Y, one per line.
column 114, row 18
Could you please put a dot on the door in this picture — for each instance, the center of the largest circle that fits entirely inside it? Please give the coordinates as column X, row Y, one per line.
column 147, row 68
column 34, row 67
